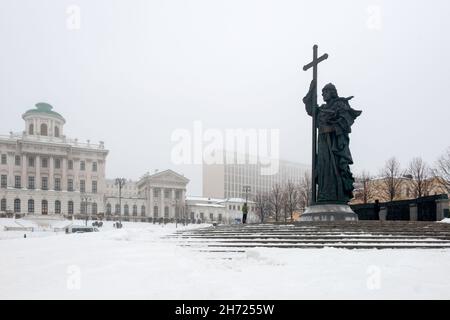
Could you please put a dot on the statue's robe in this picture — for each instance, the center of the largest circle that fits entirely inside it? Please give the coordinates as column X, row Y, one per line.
column 333, row 176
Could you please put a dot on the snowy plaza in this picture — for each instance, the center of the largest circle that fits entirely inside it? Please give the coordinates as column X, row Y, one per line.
column 139, row 261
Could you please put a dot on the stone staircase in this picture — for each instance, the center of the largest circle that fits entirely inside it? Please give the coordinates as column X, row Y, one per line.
column 312, row 235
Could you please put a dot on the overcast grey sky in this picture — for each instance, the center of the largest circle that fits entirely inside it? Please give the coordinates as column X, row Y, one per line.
column 137, row 70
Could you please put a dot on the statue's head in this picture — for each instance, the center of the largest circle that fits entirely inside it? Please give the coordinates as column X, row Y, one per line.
column 329, row 92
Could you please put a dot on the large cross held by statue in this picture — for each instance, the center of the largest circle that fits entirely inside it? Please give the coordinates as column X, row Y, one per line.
column 313, row 64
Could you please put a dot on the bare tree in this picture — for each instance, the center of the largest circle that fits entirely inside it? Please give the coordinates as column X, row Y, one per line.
column 421, row 177
column 392, row 179
column 364, row 192
column 442, row 171
column 285, row 203
column 291, row 200
column 276, row 200
column 304, row 190
column 262, row 205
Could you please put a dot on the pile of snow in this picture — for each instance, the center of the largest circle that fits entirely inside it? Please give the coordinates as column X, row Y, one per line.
column 445, row 220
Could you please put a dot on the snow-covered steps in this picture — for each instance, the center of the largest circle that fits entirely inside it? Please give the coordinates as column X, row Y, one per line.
column 349, row 235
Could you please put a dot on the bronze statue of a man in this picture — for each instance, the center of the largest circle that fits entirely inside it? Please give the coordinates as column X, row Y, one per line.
column 333, row 120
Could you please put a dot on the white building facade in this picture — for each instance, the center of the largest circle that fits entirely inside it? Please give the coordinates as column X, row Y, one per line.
column 43, row 172
column 165, row 195
column 216, row 210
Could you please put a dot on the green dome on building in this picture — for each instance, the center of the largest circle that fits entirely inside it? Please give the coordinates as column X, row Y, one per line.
column 43, row 108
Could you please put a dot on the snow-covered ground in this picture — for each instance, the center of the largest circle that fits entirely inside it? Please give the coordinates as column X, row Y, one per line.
column 136, row 263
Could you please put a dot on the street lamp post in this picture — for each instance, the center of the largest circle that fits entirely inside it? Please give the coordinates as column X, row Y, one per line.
column 120, row 182
column 84, row 202
column 246, row 189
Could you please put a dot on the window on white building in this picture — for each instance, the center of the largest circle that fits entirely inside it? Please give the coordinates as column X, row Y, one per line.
column 58, row 184
column 94, row 208
column 4, row 181
column 44, row 183
column 44, row 207
column 44, row 129
column 166, row 212
column 70, row 185
column 31, row 206
column 17, row 205
column 57, row 207
column 31, row 182
column 17, row 182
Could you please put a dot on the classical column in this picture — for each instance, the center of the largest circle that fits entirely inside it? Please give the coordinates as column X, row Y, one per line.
column 150, row 202
column 37, row 179
column 174, row 201
column 64, row 174
column 88, row 176
column 51, row 173
column 161, row 201
column 11, row 163
column 76, row 178
column 24, row 171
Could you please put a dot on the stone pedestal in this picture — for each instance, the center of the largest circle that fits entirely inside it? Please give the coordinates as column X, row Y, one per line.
column 412, row 212
column 441, row 205
column 383, row 214
column 329, row 212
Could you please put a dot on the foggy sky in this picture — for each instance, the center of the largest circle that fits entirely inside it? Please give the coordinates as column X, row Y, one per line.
column 137, row 70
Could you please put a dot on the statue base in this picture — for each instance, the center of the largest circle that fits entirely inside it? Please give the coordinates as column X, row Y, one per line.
column 329, row 212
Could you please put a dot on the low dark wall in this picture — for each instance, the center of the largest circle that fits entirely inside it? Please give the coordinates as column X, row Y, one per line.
column 399, row 210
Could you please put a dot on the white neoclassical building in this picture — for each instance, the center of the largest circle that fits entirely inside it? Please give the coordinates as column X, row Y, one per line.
column 43, row 172
column 154, row 197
